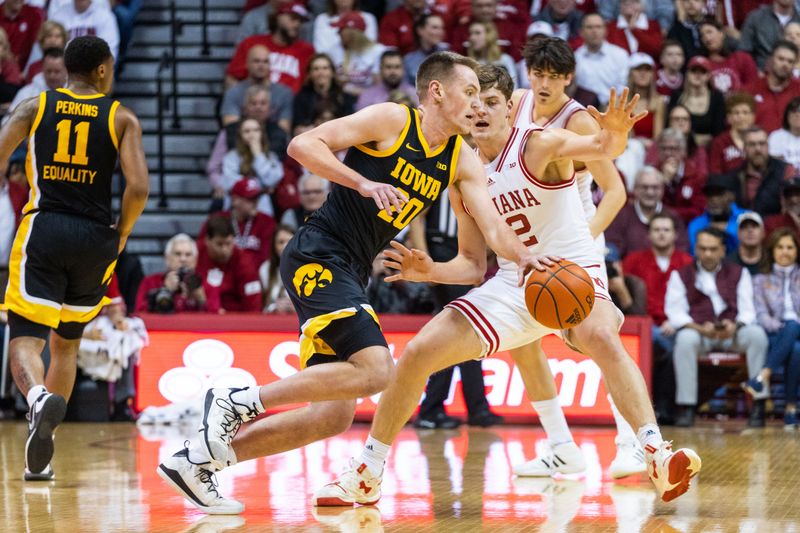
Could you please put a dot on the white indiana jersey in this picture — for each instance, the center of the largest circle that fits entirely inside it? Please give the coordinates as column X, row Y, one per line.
column 547, row 217
column 559, row 120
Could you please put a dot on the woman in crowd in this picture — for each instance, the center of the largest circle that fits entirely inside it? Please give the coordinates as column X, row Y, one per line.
column 680, row 119
column 482, row 46
column 326, row 35
column 359, row 58
column 252, row 159
column 727, row 149
column 641, row 80
column 51, row 35
column 10, row 77
column 777, row 302
column 785, row 142
column 731, row 70
column 275, row 298
column 706, row 105
column 321, row 90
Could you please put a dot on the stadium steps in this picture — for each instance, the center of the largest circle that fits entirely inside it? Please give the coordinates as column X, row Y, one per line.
column 199, row 87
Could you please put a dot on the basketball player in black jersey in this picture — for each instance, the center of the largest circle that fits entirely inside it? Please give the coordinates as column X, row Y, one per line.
column 399, row 161
column 67, row 244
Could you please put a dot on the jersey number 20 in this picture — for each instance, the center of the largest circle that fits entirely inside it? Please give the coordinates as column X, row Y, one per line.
column 409, row 211
column 62, row 154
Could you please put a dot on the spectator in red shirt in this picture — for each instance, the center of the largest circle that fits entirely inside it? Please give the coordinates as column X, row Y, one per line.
column 397, row 26
column 731, row 70
column 21, row 23
column 774, row 91
column 629, row 230
column 510, row 30
column 179, row 289
column 790, row 209
column 252, row 229
column 223, row 266
column 288, row 56
column 633, row 31
column 684, row 183
column 727, row 148
column 654, row 266
column 669, row 78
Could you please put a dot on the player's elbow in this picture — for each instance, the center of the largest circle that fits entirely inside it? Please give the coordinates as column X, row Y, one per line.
column 299, row 145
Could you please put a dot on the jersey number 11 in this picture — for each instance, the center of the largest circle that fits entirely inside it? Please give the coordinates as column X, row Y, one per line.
column 62, row 154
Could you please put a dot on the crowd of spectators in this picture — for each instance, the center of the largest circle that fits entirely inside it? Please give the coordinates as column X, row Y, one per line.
column 712, row 173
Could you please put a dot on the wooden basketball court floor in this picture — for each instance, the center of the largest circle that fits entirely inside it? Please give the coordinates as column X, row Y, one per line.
column 457, row 480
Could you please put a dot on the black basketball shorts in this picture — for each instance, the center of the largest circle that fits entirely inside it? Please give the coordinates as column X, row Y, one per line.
column 60, row 267
column 327, row 289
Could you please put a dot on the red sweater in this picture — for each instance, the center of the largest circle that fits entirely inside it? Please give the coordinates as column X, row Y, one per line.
column 733, row 72
column 686, row 196
column 254, row 237
column 287, row 63
column 643, row 264
column 771, row 105
column 773, row 222
column 397, row 30
column 237, row 281
column 650, row 39
column 725, row 156
column 22, row 31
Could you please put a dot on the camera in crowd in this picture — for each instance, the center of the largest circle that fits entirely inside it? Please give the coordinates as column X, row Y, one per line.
column 162, row 300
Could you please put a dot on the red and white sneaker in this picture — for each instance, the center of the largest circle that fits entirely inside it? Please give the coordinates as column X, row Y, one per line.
column 354, row 485
column 671, row 472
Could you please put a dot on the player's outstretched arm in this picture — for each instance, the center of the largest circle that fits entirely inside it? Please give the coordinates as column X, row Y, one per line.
column 380, row 125
column 16, row 129
column 617, row 121
column 471, row 184
column 134, row 169
column 466, row 268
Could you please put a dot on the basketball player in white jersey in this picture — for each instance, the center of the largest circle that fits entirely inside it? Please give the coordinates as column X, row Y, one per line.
column 532, row 184
column 551, row 65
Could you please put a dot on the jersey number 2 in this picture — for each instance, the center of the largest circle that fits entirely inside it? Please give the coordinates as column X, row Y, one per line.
column 524, row 228
column 62, row 154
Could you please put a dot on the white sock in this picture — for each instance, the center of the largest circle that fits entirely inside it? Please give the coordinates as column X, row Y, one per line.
column 250, row 397
column 624, row 430
column 649, row 434
column 374, row 455
column 34, row 393
column 551, row 416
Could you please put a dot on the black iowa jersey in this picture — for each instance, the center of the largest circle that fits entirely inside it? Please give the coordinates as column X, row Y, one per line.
column 72, row 154
column 421, row 174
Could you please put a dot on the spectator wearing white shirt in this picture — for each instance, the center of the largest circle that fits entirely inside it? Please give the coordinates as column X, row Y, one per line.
column 53, row 76
column 326, row 35
column 710, row 304
column 358, row 61
column 88, row 17
column 785, row 142
column 599, row 65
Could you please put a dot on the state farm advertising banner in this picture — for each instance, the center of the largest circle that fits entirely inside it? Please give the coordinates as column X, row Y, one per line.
column 187, row 356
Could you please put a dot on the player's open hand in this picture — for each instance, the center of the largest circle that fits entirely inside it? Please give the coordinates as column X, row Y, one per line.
column 387, row 197
column 620, row 115
column 532, row 262
column 411, row 264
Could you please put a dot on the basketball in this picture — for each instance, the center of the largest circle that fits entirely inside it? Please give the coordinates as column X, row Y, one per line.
column 561, row 296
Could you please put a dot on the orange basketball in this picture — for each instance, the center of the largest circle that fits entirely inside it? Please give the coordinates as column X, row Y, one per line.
column 561, row 296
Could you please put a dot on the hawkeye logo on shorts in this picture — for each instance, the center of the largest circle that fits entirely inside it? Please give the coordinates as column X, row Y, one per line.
column 309, row 277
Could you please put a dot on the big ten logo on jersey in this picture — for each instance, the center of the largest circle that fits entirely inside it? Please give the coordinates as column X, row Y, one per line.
column 422, row 184
column 310, row 277
column 207, row 363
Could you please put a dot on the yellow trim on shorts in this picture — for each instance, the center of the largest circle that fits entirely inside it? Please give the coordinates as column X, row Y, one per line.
column 424, row 141
column 15, row 301
column 454, row 160
column 112, row 130
column 80, row 96
column 311, row 344
column 392, row 149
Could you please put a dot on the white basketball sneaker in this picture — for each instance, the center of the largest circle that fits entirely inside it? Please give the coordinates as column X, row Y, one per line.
column 629, row 459
column 222, row 418
column 355, row 485
column 671, row 472
column 564, row 458
column 196, row 483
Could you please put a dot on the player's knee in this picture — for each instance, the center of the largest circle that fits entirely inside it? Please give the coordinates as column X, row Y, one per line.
column 336, row 418
column 377, row 370
column 603, row 341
